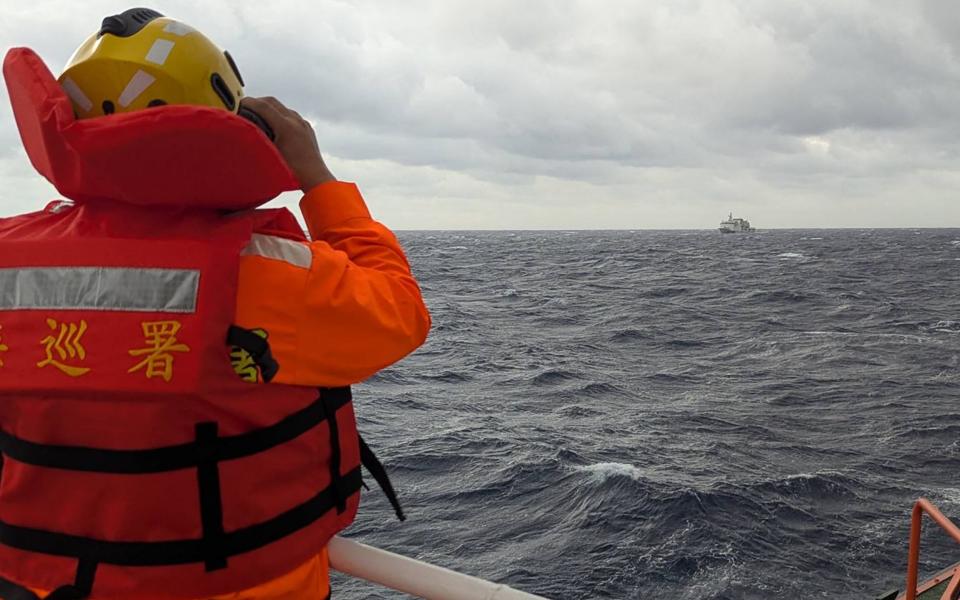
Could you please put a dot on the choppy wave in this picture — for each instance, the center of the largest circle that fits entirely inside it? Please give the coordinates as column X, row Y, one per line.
column 672, row 414
column 606, row 470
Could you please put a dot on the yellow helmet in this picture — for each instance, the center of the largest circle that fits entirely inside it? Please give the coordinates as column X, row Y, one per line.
column 140, row 59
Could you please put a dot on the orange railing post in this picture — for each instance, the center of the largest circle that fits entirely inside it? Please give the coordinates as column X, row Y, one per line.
column 916, row 522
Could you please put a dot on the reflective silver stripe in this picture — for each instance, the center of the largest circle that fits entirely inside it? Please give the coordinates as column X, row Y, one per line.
column 76, row 94
column 99, row 288
column 159, row 51
column 268, row 246
column 177, row 28
column 140, row 81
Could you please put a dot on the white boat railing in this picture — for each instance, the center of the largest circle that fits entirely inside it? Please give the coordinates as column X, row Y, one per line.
column 414, row 577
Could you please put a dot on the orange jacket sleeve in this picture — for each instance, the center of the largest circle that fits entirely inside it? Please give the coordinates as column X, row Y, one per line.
column 348, row 309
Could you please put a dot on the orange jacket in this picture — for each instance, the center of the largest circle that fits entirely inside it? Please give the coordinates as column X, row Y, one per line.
column 337, row 310
column 309, row 581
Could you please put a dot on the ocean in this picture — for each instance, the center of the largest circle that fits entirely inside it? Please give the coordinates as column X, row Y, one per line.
column 673, row 414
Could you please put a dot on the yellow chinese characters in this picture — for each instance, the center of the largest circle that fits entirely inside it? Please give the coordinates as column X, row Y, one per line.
column 65, row 342
column 3, row 347
column 242, row 361
column 161, row 340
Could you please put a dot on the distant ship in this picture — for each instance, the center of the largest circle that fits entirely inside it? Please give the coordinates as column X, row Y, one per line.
column 737, row 225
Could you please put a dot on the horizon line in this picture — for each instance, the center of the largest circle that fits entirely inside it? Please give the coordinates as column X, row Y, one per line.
column 692, row 229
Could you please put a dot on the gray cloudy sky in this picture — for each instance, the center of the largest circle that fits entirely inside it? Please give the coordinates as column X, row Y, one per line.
column 587, row 114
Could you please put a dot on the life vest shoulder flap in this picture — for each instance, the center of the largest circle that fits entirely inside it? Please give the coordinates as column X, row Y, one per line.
column 165, row 156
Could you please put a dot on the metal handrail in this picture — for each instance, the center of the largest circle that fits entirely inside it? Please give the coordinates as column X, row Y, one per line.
column 414, row 577
column 951, row 591
column 913, row 560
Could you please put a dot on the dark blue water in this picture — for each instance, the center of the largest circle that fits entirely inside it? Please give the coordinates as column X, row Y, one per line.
column 673, row 414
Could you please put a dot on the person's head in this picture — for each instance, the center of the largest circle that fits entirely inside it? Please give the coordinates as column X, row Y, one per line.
column 141, row 59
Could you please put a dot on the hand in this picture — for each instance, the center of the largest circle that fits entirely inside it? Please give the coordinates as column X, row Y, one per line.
column 295, row 139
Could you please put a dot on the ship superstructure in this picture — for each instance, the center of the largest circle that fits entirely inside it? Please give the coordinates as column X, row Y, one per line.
column 737, row 225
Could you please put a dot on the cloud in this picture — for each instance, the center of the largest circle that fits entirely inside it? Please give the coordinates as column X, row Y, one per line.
column 658, row 110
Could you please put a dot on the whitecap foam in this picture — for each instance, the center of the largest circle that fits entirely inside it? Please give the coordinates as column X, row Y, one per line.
column 605, row 470
column 837, row 333
column 893, row 336
column 947, row 326
column 841, row 308
column 790, row 255
column 945, row 495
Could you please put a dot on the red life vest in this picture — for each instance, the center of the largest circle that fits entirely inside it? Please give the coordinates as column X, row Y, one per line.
column 135, row 462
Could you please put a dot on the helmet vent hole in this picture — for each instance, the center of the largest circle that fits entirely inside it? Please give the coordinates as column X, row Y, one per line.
column 144, row 15
column 108, row 107
column 223, row 91
column 156, row 102
column 233, row 66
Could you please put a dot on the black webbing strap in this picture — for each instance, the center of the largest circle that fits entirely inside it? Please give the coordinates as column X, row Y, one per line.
column 181, row 456
column 175, row 552
column 67, row 592
column 258, row 347
column 12, row 591
column 336, row 459
column 369, row 460
column 211, row 502
column 81, row 586
column 204, row 453
column 86, row 571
